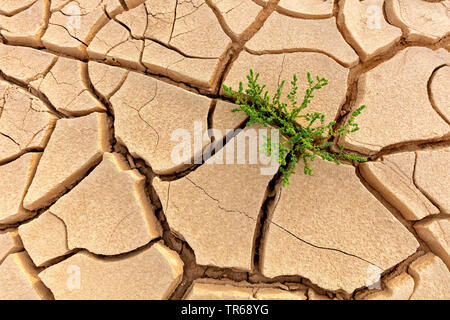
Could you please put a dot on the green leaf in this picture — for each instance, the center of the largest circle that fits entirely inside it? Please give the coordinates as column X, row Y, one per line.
column 301, row 142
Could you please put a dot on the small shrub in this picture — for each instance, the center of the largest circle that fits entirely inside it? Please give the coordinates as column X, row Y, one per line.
column 299, row 142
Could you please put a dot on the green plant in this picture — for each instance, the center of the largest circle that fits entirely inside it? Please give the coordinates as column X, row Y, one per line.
column 303, row 142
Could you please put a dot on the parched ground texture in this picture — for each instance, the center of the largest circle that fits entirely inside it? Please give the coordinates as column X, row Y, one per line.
column 92, row 206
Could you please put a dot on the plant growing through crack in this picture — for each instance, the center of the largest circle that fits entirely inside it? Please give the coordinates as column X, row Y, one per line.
column 303, row 142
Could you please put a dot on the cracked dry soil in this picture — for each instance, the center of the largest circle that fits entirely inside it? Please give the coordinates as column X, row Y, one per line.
column 92, row 206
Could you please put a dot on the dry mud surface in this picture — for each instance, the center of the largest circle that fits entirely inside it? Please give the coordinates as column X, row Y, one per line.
column 92, row 207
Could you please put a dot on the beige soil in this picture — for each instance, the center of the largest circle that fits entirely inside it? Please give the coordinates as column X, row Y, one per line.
column 93, row 207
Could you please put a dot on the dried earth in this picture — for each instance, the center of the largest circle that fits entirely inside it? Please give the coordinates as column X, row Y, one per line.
column 93, row 207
